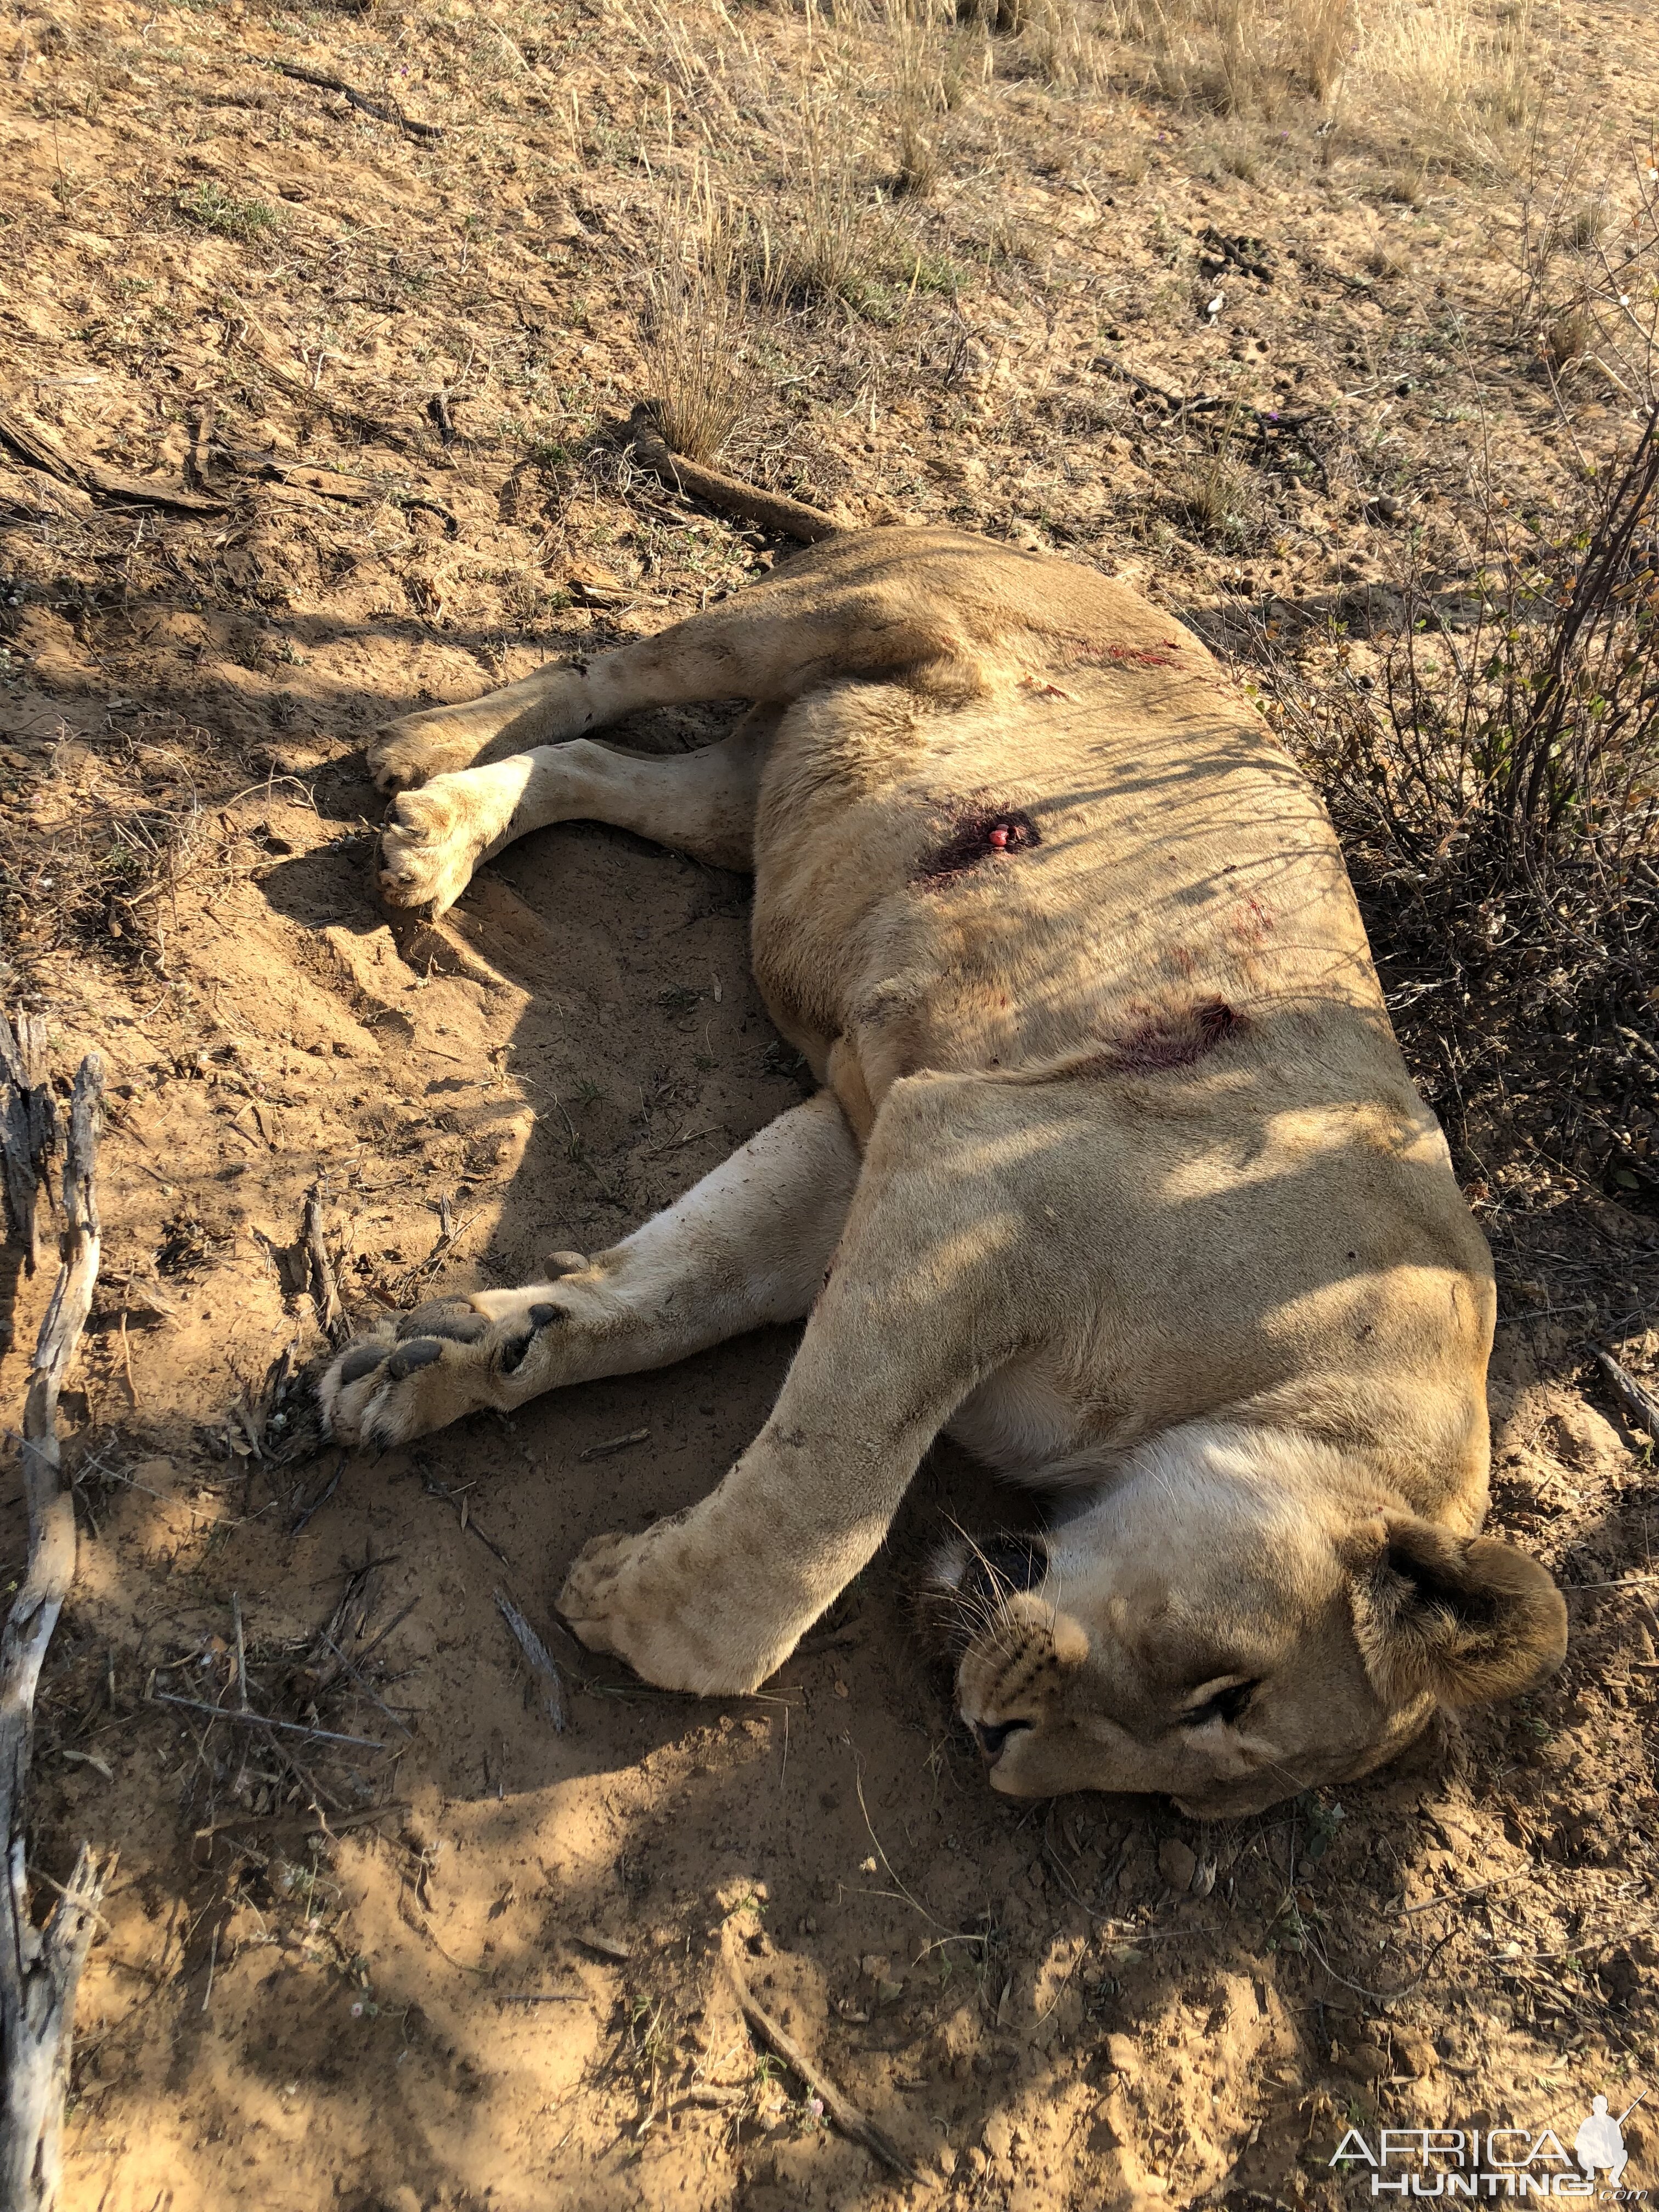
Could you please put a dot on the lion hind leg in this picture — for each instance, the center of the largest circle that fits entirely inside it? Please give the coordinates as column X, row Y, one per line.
column 745, row 1247
column 821, row 616
column 759, row 647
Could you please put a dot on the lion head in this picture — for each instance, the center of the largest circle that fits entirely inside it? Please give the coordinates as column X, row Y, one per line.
column 1235, row 1618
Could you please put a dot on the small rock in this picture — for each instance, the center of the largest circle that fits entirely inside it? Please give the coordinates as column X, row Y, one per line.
column 1413, row 2053
column 876, row 1965
column 1121, row 2053
column 1177, row 1863
column 1109, row 2119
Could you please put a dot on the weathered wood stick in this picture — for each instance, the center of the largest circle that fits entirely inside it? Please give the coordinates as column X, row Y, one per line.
column 360, row 100
column 325, row 1290
column 42, row 451
column 541, row 1661
column 767, row 510
column 28, row 1127
column 1639, row 1403
column 848, row 2118
column 41, row 1967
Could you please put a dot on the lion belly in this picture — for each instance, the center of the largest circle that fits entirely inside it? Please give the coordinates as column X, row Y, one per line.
column 1131, row 866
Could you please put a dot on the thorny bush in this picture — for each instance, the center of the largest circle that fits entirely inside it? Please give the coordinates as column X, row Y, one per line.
column 1497, row 791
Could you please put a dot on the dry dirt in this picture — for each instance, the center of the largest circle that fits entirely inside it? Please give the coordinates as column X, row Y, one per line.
column 469, row 1960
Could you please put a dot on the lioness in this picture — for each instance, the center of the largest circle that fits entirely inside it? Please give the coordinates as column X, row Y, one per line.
column 1116, row 1174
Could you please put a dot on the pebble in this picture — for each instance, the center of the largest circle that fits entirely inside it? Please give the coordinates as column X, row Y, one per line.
column 1177, row 1863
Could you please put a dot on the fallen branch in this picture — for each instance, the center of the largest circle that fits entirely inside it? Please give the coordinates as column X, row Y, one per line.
column 848, row 2118
column 41, row 1967
column 42, row 451
column 28, row 1128
column 360, row 100
column 767, row 510
column 261, row 1720
column 541, row 1661
column 613, row 1444
column 1639, row 1403
column 325, row 1290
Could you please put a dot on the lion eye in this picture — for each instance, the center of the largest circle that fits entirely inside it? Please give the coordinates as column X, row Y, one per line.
column 1226, row 1703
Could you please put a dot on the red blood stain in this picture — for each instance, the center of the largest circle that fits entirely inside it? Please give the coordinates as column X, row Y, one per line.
column 1161, row 655
column 1167, row 1037
column 978, row 833
column 1252, row 922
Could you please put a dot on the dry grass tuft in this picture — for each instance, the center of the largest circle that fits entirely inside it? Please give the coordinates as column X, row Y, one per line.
column 696, row 296
column 1317, row 42
column 1567, row 336
column 920, row 99
column 1462, row 93
column 1062, row 46
column 1216, row 493
column 1458, row 87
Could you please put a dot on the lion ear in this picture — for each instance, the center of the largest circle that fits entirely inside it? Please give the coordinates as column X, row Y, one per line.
column 1463, row 1619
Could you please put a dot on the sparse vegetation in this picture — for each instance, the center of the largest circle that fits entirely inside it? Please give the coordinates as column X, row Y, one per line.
column 695, row 356
column 213, row 209
column 1497, row 790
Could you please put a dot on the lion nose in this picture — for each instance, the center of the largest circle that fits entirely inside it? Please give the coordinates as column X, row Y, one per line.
column 991, row 1736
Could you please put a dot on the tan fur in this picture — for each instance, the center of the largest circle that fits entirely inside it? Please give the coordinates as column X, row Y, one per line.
column 1117, row 1173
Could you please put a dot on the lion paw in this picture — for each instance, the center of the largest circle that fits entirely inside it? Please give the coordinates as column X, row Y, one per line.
column 422, row 1369
column 646, row 1599
column 418, row 747
column 430, row 845
column 592, row 1587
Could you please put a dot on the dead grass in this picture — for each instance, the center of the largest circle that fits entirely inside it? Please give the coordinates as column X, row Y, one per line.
column 1586, row 257
column 1464, row 88
column 1216, row 493
column 920, row 101
column 1457, row 84
column 1497, row 794
column 694, row 336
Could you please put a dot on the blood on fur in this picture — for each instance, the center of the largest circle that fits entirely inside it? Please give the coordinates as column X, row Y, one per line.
column 1161, row 655
column 1169, row 1037
column 979, row 833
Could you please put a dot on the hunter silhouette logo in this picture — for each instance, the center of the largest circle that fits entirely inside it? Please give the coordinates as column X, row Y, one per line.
column 1493, row 2162
column 1600, row 2142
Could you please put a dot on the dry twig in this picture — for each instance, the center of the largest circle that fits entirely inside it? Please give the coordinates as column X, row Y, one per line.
column 847, row 2117
column 42, row 451
column 541, row 1662
column 325, row 1290
column 1639, row 1403
column 360, row 100
column 767, row 510
column 41, row 1967
column 263, row 1721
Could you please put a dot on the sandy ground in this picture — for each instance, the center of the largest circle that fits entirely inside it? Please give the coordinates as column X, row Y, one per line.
column 468, row 1960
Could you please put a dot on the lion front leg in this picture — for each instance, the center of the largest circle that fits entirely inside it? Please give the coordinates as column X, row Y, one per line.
column 923, row 1298
column 746, row 1246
